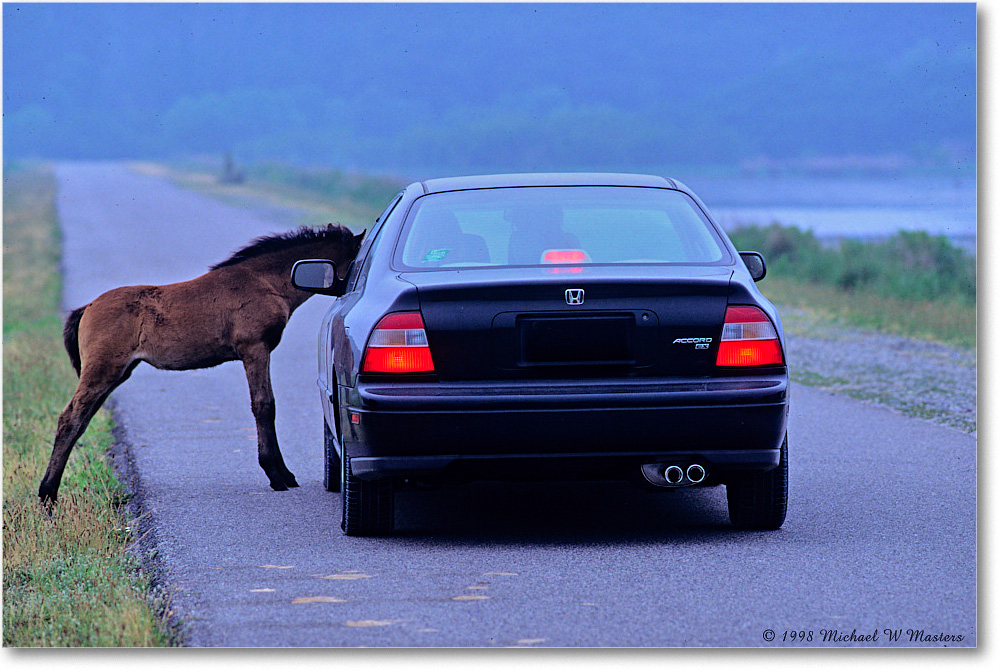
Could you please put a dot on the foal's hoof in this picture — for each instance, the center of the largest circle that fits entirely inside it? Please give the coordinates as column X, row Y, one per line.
column 47, row 501
column 279, row 486
column 290, row 480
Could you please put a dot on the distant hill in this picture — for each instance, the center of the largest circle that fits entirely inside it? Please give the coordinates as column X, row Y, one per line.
column 461, row 87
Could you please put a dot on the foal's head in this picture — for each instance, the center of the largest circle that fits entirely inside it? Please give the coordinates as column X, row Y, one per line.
column 340, row 246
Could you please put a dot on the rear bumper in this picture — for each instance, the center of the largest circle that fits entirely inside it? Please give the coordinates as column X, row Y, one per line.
column 538, row 428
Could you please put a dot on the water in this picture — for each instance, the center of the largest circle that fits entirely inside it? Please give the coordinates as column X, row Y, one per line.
column 859, row 207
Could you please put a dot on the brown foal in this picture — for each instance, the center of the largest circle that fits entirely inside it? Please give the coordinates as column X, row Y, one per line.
column 236, row 311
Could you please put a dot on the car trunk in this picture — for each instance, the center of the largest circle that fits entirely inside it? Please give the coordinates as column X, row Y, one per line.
column 595, row 321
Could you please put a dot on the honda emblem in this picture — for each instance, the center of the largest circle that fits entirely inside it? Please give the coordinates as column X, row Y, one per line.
column 574, row 297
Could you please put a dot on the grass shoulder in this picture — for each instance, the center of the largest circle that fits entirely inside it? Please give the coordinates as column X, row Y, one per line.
column 945, row 321
column 68, row 579
column 911, row 283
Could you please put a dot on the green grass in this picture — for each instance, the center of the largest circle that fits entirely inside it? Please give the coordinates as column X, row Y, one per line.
column 67, row 579
column 949, row 322
column 912, row 284
column 368, row 192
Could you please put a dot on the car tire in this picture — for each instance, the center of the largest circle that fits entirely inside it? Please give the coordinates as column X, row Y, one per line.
column 368, row 505
column 759, row 500
column 331, row 461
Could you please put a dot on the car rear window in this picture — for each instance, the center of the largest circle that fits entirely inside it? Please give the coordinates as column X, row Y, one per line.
column 556, row 225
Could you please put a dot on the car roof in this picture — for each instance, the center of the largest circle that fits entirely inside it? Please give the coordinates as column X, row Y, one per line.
column 545, row 179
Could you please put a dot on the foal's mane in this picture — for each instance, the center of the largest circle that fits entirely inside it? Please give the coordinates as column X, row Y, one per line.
column 280, row 242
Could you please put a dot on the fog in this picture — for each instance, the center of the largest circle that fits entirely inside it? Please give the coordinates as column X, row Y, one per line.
column 459, row 88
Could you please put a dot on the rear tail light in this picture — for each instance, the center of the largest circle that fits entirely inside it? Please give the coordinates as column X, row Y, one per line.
column 398, row 345
column 749, row 339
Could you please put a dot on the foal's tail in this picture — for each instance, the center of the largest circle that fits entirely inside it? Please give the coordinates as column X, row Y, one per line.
column 71, row 337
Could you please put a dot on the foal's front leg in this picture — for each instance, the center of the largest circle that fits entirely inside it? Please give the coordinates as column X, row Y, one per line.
column 257, row 363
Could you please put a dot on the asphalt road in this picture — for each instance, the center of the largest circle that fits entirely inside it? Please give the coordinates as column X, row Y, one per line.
column 881, row 532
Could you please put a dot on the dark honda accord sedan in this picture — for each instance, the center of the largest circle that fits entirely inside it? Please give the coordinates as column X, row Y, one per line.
column 551, row 327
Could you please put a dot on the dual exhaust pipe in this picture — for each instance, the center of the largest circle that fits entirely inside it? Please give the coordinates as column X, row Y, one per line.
column 674, row 475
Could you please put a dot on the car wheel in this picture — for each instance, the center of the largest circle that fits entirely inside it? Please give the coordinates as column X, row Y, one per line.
column 759, row 500
column 331, row 461
column 368, row 505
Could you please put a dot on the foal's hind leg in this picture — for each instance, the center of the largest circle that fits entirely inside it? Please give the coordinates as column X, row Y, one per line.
column 257, row 363
column 96, row 384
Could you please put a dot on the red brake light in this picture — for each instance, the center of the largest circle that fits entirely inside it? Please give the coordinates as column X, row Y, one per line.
column 748, row 339
column 565, row 256
column 398, row 345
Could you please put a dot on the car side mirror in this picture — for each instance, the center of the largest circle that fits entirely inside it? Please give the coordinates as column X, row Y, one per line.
column 754, row 261
column 318, row 276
